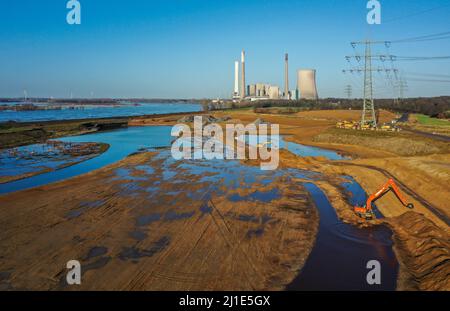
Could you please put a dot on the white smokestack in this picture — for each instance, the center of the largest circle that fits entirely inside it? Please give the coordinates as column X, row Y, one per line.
column 243, row 74
column 236, row 78
column 286, row 76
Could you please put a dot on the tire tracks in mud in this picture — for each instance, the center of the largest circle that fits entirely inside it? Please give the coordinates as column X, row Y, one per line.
column 436, row 211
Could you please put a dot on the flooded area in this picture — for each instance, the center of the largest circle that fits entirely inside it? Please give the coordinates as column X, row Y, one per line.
column 24, row 162
column 124, row 142
column 121, row 143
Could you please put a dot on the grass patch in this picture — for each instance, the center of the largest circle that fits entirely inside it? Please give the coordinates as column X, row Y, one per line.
column 426, row 120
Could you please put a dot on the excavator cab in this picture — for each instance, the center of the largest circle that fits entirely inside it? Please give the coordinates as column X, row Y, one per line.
column 367, row 211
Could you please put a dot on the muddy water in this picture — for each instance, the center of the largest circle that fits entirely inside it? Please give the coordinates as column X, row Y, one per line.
column 339, row 257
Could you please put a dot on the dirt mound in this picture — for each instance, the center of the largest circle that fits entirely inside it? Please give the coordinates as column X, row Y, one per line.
column 423, row 252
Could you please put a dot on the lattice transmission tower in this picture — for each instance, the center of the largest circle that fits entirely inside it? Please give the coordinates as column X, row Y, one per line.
column 348, row 91
column 368, row 116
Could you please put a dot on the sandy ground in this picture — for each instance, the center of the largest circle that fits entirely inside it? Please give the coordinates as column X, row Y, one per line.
column 132, row 239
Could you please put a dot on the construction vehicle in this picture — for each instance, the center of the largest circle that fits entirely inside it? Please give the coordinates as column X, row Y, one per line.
column 367, row 211
column 389, row 127
column 347, row 125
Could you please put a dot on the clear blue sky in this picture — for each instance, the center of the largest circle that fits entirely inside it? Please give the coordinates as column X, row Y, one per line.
column 187, row 48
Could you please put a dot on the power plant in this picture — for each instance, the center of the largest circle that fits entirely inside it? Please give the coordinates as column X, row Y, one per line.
column 306, row 85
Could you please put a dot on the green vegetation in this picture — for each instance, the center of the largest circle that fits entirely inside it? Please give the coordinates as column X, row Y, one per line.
column 426, row 120
column 18, row 134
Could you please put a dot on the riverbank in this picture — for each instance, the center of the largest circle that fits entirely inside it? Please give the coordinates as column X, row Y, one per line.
column 15, row 134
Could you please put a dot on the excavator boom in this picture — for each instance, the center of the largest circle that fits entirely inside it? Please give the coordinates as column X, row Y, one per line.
column 367, row 212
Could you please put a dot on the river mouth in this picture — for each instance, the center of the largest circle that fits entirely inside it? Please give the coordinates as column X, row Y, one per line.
column 338, row 258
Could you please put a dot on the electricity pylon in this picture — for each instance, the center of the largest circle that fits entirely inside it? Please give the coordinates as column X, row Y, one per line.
column 348, row 91
column 368, row 116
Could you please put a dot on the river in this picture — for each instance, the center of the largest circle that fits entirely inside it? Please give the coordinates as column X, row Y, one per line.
column 93, row 112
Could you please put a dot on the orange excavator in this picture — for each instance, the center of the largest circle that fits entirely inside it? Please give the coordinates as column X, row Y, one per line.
column 367, row 212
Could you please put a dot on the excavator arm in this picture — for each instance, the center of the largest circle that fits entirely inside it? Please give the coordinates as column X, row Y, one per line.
column 367, row 212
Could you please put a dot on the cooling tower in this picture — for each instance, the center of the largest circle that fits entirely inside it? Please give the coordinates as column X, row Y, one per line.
column 306, row 84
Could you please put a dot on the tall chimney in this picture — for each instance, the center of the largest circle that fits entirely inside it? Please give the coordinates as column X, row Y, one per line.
column 286, row 76
column 243, row 74
column 236, row 79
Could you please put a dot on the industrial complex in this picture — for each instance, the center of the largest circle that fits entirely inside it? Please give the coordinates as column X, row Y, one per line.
column 305, row 89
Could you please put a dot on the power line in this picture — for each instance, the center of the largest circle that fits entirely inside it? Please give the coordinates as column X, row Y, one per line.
column 437, row 36
column 416, row 13
column 413, row 58
column 430, row 80
column 427, row 74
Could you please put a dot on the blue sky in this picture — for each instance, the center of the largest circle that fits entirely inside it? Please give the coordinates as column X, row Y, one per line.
column 187, row 48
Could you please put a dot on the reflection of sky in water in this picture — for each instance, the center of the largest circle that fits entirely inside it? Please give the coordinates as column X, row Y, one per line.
column 98, row 112
column 34, row 158
column 124, row 142
column 269, row 141
column 297, row 149
column 212, row 177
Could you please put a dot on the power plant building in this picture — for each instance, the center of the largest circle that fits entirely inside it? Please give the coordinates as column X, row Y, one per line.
column 306, row 84
column 260, row 89
column 274, row 92
column 293, row 95
column 252, row 90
